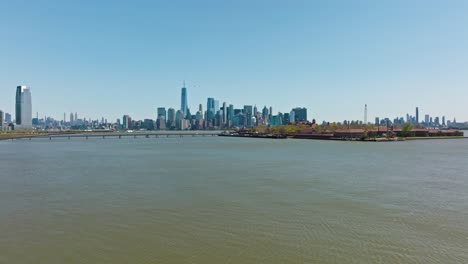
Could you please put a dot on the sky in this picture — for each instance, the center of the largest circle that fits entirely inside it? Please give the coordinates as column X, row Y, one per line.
column 109, row 58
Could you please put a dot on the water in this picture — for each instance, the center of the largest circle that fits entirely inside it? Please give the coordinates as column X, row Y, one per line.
column 233, row 200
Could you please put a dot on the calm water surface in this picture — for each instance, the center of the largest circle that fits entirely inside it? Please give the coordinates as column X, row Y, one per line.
column 231, row 200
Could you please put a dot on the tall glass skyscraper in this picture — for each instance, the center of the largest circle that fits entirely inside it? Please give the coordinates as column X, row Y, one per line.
column 183, row 101
column 23, row 107
column 210, row 108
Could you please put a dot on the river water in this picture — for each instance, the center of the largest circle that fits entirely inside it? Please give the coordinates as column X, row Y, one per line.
column 233, row 200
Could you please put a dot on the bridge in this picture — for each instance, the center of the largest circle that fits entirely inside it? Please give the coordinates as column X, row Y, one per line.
column 135, row 134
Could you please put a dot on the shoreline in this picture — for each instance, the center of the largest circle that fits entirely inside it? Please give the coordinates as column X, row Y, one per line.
column 12, row 136
column 443, row 137
column 399, row 139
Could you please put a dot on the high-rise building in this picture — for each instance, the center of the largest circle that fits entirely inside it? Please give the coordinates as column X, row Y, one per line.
column 126, row 122
column 200, row 109
column 443, row 120
column 377, row 121
column 23, row 108
column 171, row 118
column 76, row 117
column 248, row 110
column 216, row 106
column 286, row 118
column 417, row 115
column 18, row 105
column 265, row 115
column 426, row 119
column 365, row 114
column 300, row 114
column 7, row 118
column 71, row 118
column 162, row 112
column 148, row 124
column 179, row 119
column 64, row 117
column 183, row 99
column 210, row 109
column 1, row 120
column 230, row 114
column 292, row 116
column 161, row 123
column 224, row 113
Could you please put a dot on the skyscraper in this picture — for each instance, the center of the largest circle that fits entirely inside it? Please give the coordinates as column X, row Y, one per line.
column 71, row 118
column 1, row 120
column 300, row 114
column 183, row 99
column 216, row 106
column 126, row 122
column 162, row 112
column 266, row 114
column 417, row 115
column 230, row 114
column 292, row 116
column 224, row 113
column 7, row 118
column 23, row 107
column 200, row 109
column 171, row 118
column 248, row 109
column 210, row 108
column 365, row 114
column 286, row 118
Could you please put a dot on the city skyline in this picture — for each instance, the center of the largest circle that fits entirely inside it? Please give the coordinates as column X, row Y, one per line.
column 115, row 116
column 297, row 114
column 330, row 57
column 216, row 116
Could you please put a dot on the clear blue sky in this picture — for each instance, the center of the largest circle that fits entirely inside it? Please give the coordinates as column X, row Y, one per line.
column 109, row 58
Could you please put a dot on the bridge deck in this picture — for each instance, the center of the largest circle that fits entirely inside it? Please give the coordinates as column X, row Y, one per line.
column 147, row 134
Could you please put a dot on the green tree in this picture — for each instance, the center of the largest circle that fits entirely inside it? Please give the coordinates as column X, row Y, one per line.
column 406, row 129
